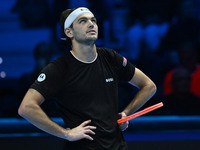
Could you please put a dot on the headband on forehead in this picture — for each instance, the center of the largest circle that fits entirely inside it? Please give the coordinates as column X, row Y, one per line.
column 74, row 14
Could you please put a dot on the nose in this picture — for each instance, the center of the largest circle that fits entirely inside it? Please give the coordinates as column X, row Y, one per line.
column 90, row 24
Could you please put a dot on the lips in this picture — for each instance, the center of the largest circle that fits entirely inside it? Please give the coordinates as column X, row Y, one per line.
column 91, row 31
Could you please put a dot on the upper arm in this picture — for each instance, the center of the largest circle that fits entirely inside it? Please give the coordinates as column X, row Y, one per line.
column 33, row 96
column 31, row 99
column 140, row 80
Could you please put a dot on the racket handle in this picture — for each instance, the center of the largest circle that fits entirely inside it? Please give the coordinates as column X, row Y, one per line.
column 142, row 112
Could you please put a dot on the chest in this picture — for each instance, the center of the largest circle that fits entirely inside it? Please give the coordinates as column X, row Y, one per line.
column 89, row 85
column 95, row 76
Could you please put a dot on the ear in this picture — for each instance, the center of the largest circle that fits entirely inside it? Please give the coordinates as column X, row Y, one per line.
column 68, row 32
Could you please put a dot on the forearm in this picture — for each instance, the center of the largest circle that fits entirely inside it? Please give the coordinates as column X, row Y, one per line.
column 35, row 115
column 30, row 109
column 143, row 95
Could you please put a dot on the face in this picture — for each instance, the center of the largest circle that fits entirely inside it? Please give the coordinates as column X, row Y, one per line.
column 85, row 29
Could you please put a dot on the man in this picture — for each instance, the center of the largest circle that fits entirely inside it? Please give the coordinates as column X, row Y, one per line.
column 85, row 82
column 181, row 101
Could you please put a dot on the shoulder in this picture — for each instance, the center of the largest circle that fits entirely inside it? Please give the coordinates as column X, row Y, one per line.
column 107, row 53
column 58, row 65
column 62, row 59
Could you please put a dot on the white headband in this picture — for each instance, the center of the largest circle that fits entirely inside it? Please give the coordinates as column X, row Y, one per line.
column 74, row 14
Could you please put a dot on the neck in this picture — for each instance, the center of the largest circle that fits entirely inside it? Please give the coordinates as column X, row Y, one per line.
column 86, row 53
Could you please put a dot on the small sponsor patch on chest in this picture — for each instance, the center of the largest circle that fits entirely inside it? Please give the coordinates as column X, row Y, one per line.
column 109, row 80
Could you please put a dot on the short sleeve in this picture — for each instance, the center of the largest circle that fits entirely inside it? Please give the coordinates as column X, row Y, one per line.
column 49, row 81
column 124, row 69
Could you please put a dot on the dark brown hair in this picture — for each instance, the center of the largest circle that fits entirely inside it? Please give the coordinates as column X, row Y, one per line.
column 63, row 17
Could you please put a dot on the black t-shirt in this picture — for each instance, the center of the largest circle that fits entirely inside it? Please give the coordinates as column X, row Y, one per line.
column 88, row 91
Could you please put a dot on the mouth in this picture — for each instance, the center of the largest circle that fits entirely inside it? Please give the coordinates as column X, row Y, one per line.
column 92, row 31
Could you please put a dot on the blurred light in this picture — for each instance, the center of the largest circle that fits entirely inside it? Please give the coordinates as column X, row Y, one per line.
column 3, row 74
column 1, row 60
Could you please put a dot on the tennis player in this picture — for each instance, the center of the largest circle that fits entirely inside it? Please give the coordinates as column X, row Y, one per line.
column 85, row 83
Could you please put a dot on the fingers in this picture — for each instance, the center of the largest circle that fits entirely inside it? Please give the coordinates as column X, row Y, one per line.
column 83, row 131
column 87, row 134
column 85, row 123
column 124, row 126
column 88, row 137
column 90, row 127
column 88, row 130
column 87, row 127
column 122, row 115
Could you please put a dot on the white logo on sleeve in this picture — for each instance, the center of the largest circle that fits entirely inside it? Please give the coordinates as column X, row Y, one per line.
column 41, row 77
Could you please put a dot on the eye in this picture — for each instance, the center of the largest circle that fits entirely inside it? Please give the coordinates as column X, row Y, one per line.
column 82, row 21
column 94, row 20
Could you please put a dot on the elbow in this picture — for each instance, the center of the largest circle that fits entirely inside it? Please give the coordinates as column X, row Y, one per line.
column 153, row 88
column 22, row 110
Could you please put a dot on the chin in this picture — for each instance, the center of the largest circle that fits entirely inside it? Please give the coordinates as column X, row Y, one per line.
column 94, row 38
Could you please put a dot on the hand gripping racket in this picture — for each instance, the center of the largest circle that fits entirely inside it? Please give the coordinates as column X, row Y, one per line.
column 142, row 112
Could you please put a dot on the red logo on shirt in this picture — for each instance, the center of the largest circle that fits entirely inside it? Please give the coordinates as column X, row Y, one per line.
column 124, row 62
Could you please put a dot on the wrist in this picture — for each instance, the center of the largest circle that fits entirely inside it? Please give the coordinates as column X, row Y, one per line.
column 67, row 134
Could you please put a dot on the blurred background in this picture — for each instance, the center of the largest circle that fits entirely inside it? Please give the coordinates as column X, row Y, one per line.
column 162, row 38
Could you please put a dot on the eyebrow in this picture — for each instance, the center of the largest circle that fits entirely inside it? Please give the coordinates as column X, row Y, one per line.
column 86, row 18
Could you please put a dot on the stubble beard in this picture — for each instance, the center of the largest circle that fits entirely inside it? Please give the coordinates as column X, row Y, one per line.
column 90, row 40
column 87, row 40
